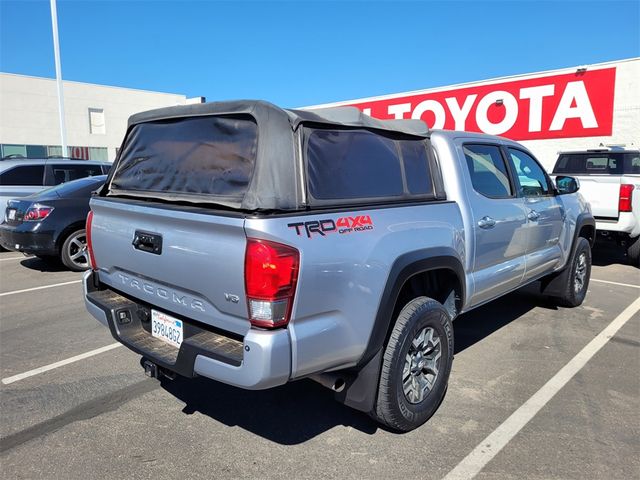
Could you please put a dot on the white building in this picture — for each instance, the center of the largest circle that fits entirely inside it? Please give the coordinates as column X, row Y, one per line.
column 586, row 106
column 95, row 115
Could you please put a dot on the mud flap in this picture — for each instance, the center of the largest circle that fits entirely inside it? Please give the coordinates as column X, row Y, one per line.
column 361, row 389
column 555, row 284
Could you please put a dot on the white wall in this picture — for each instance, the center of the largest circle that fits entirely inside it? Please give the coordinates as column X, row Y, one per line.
column 29, row 111
column 626, row 120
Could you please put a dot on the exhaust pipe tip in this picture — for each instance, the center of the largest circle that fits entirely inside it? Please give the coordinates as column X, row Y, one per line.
column 330, row 381
column 338, row 385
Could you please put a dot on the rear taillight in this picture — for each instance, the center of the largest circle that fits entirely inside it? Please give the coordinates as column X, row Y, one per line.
column 626, row 197
column 92, row 260
column 270, row 276
column 36, row 213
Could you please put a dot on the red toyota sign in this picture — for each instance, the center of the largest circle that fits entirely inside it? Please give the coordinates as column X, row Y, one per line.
column 570, row 105
column 79, row 152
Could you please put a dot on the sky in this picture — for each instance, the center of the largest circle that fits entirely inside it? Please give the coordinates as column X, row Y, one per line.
column 310, row 52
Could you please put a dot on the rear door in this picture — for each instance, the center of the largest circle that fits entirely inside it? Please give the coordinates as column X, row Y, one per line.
column 499, row 222
column 544, row 211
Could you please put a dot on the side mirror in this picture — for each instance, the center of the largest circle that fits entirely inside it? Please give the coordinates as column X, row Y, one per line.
column 567, row 185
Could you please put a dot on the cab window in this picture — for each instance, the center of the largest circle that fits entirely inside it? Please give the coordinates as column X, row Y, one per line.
column 65, row 173
column 532, row 180
column 488, row 170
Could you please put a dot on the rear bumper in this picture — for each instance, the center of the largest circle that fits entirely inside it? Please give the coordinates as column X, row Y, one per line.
column 627, row 223
column 262, row 359
column 28, row 239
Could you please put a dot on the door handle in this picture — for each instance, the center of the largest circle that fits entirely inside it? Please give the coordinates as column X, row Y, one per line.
column 533, row 215
column 486, row 222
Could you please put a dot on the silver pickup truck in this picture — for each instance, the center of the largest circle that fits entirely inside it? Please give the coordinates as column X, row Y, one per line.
column 255, row 246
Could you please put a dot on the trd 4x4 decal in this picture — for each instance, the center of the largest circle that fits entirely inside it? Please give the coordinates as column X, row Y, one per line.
column 342, row 225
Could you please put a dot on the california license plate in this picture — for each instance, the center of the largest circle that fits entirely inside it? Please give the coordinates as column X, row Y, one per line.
column 166, row 328
column 11, row 214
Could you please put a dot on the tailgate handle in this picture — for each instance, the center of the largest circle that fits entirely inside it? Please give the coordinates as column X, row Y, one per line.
column 147, row 242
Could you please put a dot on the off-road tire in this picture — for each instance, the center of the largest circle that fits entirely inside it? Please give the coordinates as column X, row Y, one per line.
column 633, row 251
column 571, row 296
column 393, row 407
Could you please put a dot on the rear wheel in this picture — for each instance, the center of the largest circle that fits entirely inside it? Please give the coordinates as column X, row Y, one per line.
column 74, row 253
column 416, row 365
column 633, row 251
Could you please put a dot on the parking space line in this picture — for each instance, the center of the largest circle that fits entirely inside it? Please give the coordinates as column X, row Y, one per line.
column 61, row 363
column 12, row 258
column 39, row 288
column 488, row 448
column 616, row 283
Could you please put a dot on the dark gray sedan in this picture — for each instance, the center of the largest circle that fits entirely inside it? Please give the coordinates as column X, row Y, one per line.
column 51, row 224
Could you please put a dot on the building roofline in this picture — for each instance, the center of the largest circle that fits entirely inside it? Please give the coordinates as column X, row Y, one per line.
column 544, row 73
column 92, row 84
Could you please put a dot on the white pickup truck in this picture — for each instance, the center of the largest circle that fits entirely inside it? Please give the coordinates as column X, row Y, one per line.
column 610, row 182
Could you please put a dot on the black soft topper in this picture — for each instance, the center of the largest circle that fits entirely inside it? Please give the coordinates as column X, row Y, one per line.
column 240, row 154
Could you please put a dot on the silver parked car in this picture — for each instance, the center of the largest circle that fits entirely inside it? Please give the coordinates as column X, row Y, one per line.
column 20, row 177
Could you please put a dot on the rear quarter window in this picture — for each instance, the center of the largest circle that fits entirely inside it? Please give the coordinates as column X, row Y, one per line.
column 358, row 164
column 632, row 163
column 27, row 175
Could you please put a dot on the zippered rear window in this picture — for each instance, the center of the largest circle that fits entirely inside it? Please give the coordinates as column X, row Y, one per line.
column 357, row 165
column 188, row 158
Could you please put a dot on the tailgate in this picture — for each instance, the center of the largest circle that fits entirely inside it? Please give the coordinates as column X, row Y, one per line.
column 197, row 271
column 602, row 192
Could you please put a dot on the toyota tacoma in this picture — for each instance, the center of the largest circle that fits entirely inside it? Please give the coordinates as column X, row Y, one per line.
column 256, row 245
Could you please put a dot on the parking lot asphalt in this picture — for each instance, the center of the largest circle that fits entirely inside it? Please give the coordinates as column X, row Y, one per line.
column 100, row 417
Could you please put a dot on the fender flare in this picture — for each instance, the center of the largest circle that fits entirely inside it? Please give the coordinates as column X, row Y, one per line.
column 585, row 219
column 403, row 268
column 362, row 384
column 554, row 284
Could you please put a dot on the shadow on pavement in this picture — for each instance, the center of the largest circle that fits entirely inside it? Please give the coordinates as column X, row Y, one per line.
column 481, row 322
column 40, row 265
column 288, row 415
column 607, row 252
column 296, row 412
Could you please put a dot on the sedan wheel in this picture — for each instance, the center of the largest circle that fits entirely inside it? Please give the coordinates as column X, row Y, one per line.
column 74, row 253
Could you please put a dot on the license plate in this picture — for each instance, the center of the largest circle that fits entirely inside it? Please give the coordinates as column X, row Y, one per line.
column 166, row 328
column 11, row 214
